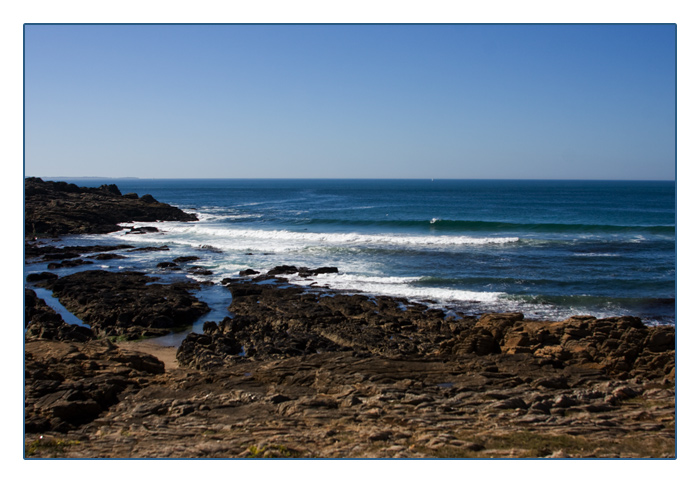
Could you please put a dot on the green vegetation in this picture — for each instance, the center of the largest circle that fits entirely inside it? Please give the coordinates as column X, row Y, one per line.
column 51, row 447
column 528, row 444
column 272, row 451
column 536, row 445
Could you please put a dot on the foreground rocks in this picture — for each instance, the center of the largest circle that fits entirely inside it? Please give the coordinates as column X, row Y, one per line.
column 59, row 208
column 68, row 384
column 296, row 373
column 340, row 405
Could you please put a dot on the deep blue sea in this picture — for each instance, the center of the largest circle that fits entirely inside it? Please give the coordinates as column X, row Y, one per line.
column 549, row 249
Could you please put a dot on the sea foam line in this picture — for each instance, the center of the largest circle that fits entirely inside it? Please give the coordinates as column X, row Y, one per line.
column 346, row 239
column 397, row 287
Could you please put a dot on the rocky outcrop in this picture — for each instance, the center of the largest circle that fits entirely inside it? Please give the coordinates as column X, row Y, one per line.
column 43, row 323
column 277, row 321
column 301, row 271
column 279, row 271
column 127, row 304
column 59, row 208
column 69, row 384
column 274, row 321
column 301, row 372
column 623, row 346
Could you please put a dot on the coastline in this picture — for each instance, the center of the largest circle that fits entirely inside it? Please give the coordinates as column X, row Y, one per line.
column 336, row 377
column 586, row 259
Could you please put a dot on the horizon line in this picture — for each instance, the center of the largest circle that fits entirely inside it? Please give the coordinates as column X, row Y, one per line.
column 342, row 178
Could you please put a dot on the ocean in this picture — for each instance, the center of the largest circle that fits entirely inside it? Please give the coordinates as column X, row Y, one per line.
column 549, row 249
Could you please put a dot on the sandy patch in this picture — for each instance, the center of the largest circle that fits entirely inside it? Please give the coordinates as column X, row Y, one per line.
column 164, row 353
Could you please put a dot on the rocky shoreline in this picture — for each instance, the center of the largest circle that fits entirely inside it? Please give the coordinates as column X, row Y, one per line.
column 54, row 208
column 311, row 373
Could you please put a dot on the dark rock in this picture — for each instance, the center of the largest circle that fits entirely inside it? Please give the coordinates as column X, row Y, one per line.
column 273, row 322
column 660, row 339
column 74, row 412
column 208, row 351
column 511, row 403
column 599, row 408
column 325, row 270
column 141, row 230
column 59, row 208
column 200, row 271
column 111, row 188
column 564, row 401
column 283, row 270
column 107, row 256
column 162, row 248
column 307, row 272
column 61, row 255
column 210, row 248
column 474, row 446
column 551, row 382
column 247, row 272
column 169, row 265
column 48, row 252
column 127, row 303
column 40, row 277
column 380, row 436
column 302, row 271
column 279, row 398
column 541, row 406
column 68, row 263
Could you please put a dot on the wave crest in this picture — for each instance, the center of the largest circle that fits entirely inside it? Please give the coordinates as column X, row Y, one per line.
column 232, row 236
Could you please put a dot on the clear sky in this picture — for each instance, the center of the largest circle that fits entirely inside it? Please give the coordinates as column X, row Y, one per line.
column 351, row 101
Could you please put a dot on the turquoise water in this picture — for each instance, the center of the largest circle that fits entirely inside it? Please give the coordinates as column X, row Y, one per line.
column 547, row 248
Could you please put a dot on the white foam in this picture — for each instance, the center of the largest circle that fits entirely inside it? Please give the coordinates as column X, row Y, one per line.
column 274, row 240
column 596, row 254
column 398, row 287
column 212, row 216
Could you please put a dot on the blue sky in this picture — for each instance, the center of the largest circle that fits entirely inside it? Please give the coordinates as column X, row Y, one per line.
column 351, row 101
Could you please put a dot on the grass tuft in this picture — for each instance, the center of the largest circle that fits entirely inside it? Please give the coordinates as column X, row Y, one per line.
column 53, row 446
column 272, row 451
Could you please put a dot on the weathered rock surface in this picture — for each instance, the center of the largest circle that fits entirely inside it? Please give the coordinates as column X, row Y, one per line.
column 129, row 304
column 59, row 208
column 343, row 405
column 68, row 384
